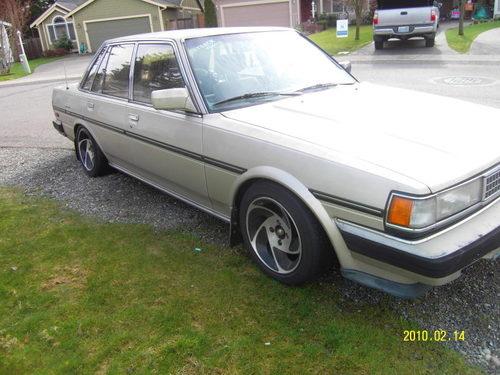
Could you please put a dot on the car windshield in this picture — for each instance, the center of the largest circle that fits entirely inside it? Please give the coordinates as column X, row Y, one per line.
column 238, row 70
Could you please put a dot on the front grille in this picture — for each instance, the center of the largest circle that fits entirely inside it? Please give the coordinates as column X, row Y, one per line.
column 492, row 185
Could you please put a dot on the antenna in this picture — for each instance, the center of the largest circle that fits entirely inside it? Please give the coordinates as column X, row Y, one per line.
column 65, row 75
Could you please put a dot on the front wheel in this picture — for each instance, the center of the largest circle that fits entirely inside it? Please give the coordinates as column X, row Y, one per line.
column 283, row 237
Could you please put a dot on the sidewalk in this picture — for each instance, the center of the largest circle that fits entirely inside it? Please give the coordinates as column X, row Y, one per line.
column 70, row 68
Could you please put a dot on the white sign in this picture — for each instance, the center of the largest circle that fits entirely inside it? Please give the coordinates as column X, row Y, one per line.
column 342, row 28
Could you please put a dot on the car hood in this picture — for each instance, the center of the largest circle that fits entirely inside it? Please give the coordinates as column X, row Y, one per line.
column 437, row 141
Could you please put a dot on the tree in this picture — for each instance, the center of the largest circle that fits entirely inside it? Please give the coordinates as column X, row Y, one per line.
column 38, row 7
column 16, row 12
column 210, row 14
column 358, row 6
column 461, row 21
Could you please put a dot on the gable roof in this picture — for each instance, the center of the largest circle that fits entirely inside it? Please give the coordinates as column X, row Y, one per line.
column 63, row 6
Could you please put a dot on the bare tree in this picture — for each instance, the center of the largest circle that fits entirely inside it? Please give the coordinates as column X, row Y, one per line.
column 16, row 12
column 358, row 6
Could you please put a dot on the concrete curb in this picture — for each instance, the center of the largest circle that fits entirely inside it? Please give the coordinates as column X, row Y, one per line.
column 39, row 81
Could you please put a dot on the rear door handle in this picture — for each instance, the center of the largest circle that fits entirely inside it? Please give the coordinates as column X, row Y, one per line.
column 90, row 105
column 133, row 117
column 404, row 13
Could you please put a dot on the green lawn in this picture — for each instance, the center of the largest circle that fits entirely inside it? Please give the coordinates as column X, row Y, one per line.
column 330, row 43
column 17, row 71
column 84, row 297
column 462, row 43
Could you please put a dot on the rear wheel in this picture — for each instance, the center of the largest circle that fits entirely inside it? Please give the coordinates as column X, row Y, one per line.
column 281, row 234
column 429, row 42
column 379, row 44
column 93, row 161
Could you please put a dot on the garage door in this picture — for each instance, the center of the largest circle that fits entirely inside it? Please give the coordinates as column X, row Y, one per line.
column 270, row 14
column 100, row 31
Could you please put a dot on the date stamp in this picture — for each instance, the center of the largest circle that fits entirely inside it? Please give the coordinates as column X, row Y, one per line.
column 439, row 335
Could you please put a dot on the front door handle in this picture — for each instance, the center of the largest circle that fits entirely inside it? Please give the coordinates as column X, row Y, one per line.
column 133, row 117
column 404, row 13
column 90, row 106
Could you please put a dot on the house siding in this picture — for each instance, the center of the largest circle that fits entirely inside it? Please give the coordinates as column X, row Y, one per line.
column 102, row 9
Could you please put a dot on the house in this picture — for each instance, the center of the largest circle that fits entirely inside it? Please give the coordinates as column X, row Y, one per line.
column 88, row 23
column 287, row 13
column 6, row 57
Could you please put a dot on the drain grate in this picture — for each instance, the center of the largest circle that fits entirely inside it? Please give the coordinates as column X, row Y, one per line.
column 464, row 81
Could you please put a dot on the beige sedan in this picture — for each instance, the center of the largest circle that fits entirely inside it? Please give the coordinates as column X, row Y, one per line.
column 263, row 129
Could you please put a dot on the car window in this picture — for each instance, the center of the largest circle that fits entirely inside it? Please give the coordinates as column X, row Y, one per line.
column 116, row 76
column 97, row 85
column 156, row 68
column 93, row 70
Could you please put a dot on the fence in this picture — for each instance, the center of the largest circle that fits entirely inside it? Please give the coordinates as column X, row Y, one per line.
column 33, row 48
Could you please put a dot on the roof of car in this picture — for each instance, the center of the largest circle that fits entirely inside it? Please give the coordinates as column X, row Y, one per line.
column 195, row 33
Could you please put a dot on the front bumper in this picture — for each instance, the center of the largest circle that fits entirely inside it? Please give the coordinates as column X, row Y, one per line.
column 437, row 256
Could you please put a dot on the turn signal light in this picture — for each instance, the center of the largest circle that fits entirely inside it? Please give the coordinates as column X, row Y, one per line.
column 400, row 211
column 375, row 18
column 433, row 15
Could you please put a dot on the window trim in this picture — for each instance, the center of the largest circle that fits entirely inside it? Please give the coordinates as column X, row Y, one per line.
column 65, row 23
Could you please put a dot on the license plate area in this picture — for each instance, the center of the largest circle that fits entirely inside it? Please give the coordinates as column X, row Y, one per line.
column 403, row 29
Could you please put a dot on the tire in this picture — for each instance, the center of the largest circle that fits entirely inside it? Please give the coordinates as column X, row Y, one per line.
column 269, row 214
column 93, row 161
column 429, row 42
column 379, row 44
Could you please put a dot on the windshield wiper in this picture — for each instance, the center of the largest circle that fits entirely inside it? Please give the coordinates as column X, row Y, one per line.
column 262, row 94
column 318, row 86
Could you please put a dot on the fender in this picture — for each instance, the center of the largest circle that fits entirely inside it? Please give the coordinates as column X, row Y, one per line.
column 291, row 183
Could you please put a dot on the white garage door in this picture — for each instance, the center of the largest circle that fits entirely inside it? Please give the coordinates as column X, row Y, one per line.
column 268, row 14
column 100, row 31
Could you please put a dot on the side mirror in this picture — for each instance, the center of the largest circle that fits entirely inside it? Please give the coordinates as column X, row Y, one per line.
column 171, row 99
column 346, row 65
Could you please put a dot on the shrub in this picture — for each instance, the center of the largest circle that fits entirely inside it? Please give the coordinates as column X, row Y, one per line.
column 64, row 43
column 55, row 52
column 329, row 19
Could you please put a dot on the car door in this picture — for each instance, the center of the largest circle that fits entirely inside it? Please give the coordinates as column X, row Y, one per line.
column 167, row 145
column 105, row 98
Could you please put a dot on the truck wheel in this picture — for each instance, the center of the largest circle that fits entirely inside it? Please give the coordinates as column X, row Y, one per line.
column 379, row 44
column 429, row 42
column 283, row 237
column 93, row 161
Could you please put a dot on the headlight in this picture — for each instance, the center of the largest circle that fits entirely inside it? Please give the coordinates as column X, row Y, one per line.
column 422, row 212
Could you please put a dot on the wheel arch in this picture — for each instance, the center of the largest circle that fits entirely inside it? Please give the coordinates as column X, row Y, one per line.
column 289, row 182
column 82, row 124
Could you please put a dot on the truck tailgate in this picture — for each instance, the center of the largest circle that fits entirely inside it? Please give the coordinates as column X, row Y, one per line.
column 404, row 16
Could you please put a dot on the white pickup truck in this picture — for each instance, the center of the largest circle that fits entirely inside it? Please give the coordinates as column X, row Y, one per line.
column 405, row 19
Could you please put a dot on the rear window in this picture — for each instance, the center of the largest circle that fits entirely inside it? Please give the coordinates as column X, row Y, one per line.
column 397, row 4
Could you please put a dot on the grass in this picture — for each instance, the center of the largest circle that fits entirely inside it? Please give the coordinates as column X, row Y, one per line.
column 17, row 71
column 84, row 297
column 462, row 43
column 330, row 43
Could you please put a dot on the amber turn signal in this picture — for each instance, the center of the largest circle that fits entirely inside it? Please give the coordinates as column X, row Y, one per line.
column 400, row 211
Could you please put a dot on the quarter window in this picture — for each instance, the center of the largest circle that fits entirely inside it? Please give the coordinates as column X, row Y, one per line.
column 156, row 68
column 97, row 85
column 117, row 72
column 92, row 72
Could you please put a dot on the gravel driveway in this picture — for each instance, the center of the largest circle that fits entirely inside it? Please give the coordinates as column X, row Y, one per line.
column 470, row 303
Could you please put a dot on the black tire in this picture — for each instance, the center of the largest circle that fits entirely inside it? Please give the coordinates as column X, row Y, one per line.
column 379, row 44
column 88, row 152
column 429, row 42
column 315, row 253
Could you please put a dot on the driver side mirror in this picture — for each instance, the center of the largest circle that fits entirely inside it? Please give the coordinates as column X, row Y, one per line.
column 172, row 99
column 346, row 65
